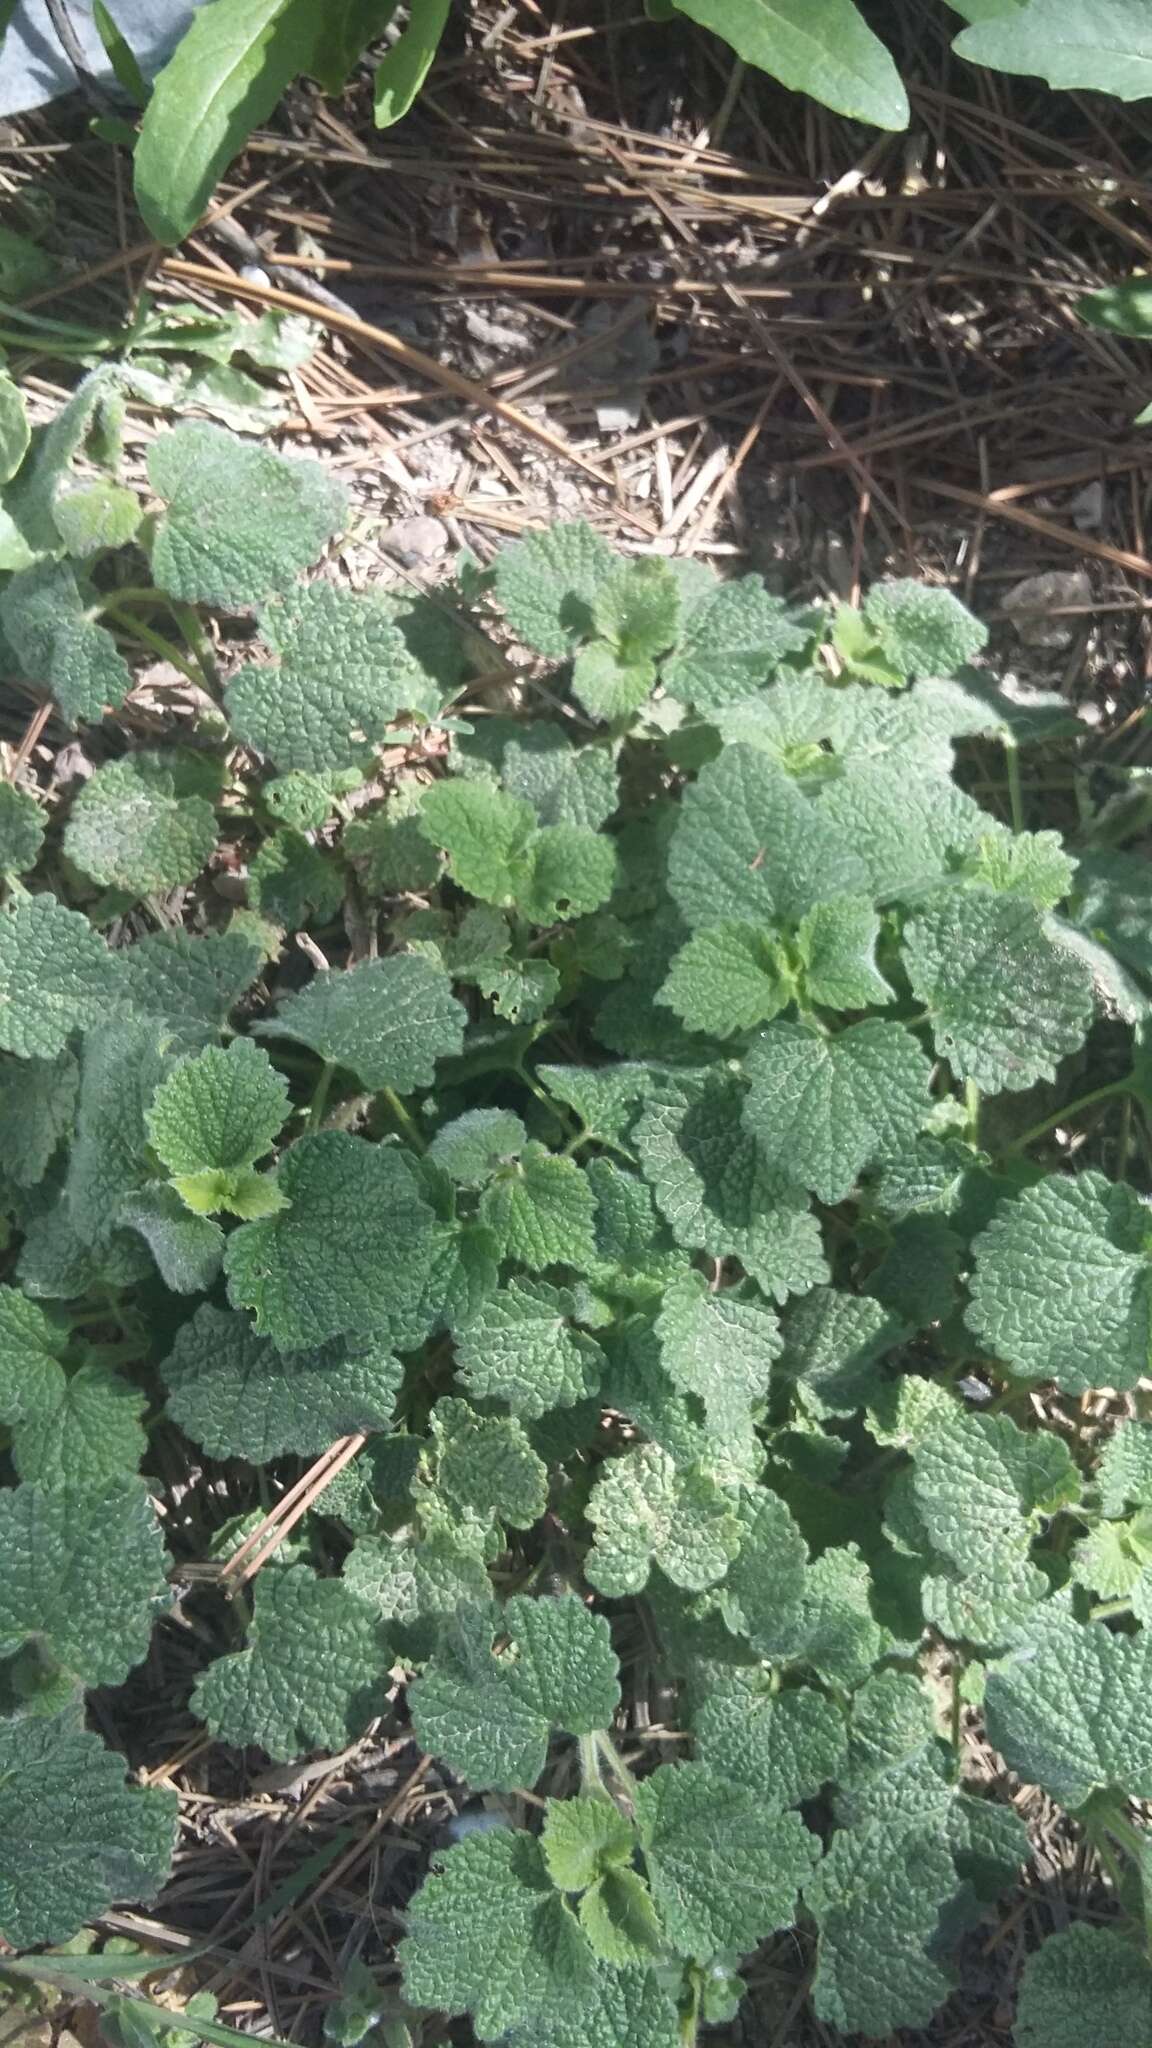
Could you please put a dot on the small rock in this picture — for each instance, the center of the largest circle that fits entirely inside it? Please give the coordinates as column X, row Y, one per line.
column 1088, row 508
column 417, row 540
column 1031, row 604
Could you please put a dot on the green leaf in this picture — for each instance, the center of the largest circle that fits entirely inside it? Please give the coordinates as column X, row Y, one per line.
column 187, row 1248
column 70, row 1431
column 860, row 650
column 1063, row 1284
column 83, row 1573
column 1070, row 1713
column 15, row 431
column 486, row 1464
column 489, row 1714
column 876, row 1899
column 733, row 640
column 473, row 1146
column 343, row 673
column 727, row 979
column 118, row 50
column 834, row 1347
column 488, row 1935
column 520, row 1348
column 130, row 829
column 37, row 1109
column 565, row 785
column 1106, row 49
column 783, row 1745
column 1007, row 1001
column 823, row 1109
column 59, row 647
column 340, row 1257
column 634, row 614
column 226, row 75
column 620, row 1920
column 836, row 948
column 1084, row 1987
column 613, row 2005
column 712, row 1185
column 716, row 1346
column 1124, row 1474
column 74, row 1837
column 388, row 1021
column 923, row 631
column 236, row 1396
column 724, row 1869
column 907, row 822
column 748, row 847
column 1124, row 308
column 404, row 67
column 645, row 1510
column 220, row 1108
column 496, row 851
column 21, row 830
column 1032, row 864
column 547, row 583
column 240, row 522
column 121, row 1067
column 584, row 1837
column 293, row 883
column 314, row 1671
column 419, row 1584
column 917, row 1276
column 96, row 517
column 56, row 976
column 980, row 1484
column 192, row 983
column 540, row 1211
column 827, row 51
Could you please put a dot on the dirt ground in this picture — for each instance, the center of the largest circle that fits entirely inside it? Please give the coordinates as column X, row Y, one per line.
column 606, row 271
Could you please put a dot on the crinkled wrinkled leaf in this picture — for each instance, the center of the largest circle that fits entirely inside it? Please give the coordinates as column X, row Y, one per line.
column 341, row 675
column 130, row 829
column 314, row 1671
column 388, row 1021
column 547, row 585
column 1070, row 1712
column 56, row 976
column 823, row 1108
column 240, row 521
column 645, row 1510
column 74, row 1837
column 1063, row 1284
column 489, row 1713
column 341, row 1256
column 724, row 1869
column 237, row 1396
column 1006, row 1000
column 520, row 1348
column 83, row 1572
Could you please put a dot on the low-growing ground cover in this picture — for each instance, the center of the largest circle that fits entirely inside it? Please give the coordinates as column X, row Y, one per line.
column 695, row 1127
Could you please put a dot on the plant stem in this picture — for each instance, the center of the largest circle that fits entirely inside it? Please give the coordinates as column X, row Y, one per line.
column 1105, row 1609
column 320, row 1094
column 1070, row 1109
column 590, row 1778
column 957, row 1709
column 166, row 649
column 405, row 1119
column 611, row 1757
column 1015, row 787
column 972, row 1107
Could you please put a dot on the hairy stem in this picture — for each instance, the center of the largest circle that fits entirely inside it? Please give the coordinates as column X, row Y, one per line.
column 1070, row 1109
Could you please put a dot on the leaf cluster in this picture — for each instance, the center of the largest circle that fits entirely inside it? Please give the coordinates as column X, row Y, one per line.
column 663, row 1177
